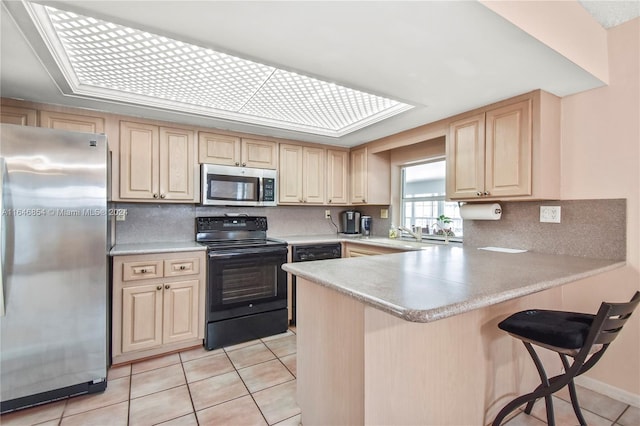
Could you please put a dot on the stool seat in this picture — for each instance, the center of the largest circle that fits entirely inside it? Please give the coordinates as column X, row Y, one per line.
column 567, row 330
column 584, row 337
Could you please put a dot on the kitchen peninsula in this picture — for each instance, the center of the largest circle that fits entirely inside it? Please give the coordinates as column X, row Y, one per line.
column 412, row 338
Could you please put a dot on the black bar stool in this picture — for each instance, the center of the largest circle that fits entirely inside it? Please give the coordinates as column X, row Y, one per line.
column 583, row 337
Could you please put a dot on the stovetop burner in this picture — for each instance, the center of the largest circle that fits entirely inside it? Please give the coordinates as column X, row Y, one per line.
column 223, row 244
column 225, row 232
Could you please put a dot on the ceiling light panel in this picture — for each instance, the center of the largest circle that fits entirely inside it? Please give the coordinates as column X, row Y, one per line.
column 106, row 60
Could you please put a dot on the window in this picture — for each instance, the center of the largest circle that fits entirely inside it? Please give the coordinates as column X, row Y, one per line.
column 423, row 199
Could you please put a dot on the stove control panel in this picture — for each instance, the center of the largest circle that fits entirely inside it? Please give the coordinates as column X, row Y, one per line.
column 231, row 223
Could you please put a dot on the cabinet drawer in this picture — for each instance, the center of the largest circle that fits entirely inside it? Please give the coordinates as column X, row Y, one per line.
column 144, row 270
column 179, row 267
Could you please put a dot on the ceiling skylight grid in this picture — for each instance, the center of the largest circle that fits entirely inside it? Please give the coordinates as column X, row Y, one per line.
column 107, row 60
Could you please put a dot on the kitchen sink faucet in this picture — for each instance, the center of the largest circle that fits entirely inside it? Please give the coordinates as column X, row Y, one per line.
column 415, row 233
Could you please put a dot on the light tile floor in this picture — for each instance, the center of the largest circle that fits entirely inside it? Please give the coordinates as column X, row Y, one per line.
column 253, row 383
column 597, row 410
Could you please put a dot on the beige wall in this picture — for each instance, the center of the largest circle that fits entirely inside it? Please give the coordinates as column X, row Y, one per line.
column 601, row 159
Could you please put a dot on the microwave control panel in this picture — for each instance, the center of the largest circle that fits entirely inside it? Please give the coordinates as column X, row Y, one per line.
column 269, row 187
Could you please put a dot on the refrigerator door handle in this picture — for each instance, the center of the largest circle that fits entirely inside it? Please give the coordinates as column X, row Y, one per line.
column 2, row 169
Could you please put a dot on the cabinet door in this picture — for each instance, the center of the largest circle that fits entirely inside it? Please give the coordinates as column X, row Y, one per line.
column 18, row 115
column 177, row 162
column 313, row 173
column 139, row 161
column 290, row 174
column 180, row 311
column 508, row 150
column 141, row 317
column 358, row 250
column 218, row 149
column 359, row 175
column 71, row 122
column 465, row 157
column 260, row 154
column 337, row 177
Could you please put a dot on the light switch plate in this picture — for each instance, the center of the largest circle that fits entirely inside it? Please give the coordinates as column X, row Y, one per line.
column 384, row 213
column 550, row 214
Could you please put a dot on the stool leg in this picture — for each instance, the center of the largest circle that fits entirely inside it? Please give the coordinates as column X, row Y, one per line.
column 572, row 393
column 530, row 398
column 544, row 385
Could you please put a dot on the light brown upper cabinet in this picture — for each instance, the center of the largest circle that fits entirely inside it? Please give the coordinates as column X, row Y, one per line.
column 302, row 174
column 509, row 150
column 18, row 115
column 235, row 151
column 337, row 177
column 157, row 163
column 71, row 122
column 370, row 177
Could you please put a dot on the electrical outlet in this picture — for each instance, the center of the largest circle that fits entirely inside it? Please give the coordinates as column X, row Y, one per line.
column 327, row 214
column 384, row 213
column 550, row 214
column 121, row 217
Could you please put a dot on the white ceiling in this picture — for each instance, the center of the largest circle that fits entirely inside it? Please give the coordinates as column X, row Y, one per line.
column 442, row 57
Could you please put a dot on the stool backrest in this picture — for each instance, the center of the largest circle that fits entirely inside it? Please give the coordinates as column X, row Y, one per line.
column 610, row 319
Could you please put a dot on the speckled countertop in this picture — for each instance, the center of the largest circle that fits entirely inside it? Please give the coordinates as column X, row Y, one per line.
column 440, row 281
column 150, row 248
column 372, row 241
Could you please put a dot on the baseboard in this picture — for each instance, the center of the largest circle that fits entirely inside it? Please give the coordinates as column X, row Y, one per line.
column 608, row 390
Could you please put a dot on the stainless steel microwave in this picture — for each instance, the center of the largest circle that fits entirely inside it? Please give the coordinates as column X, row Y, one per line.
column 238, row 186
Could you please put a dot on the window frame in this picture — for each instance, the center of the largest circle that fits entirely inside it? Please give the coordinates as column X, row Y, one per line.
column 440, row 199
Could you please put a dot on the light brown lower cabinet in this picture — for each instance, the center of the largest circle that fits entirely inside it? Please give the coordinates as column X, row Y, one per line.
column 158, row 304
column 357, row 250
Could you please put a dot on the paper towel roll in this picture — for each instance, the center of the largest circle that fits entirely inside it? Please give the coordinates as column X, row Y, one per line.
column 481, row 211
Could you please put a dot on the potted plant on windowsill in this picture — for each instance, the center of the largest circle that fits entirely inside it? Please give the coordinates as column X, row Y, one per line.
column 444, row 227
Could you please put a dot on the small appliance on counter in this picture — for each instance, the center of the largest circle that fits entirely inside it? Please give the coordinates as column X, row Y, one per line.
column 350, row 220
column 365, row 225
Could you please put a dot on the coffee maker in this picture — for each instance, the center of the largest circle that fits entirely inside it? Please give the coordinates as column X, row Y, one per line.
column 365, row 226
column 350, row 220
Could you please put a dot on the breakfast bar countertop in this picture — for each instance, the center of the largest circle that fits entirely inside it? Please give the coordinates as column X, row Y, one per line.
column 441, row 281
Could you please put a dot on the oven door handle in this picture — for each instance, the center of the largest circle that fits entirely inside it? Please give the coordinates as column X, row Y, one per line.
column 245, row 252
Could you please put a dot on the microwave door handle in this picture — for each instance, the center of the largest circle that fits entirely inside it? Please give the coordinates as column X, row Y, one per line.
column 260, row 189
column 2, row 170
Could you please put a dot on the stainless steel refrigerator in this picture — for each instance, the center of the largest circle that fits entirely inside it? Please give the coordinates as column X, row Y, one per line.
column 54, row 276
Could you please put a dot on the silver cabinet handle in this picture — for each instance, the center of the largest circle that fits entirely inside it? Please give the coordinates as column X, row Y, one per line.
column 2, row 168
column 182, row 267
column 237, row 163
column 159, row 287
column 155, row 195
column 163, row 196
column 167, row 286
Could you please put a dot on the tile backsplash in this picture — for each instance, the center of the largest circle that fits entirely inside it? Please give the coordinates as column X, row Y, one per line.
column 148, row 223
column 588, row 228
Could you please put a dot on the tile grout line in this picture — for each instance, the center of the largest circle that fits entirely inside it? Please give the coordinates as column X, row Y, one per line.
column 129, row 398
column 615, row 422
column 186, row 381
column 245, row 384
column 269, row 387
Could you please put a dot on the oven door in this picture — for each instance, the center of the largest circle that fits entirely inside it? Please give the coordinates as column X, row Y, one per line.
column 246, row 281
